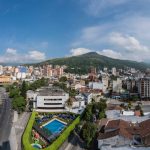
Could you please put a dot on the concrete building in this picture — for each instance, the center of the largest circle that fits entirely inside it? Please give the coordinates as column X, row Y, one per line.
column 114, row 71
column 50, row 98
column 96, row 85
column 87, row 97
column 144, row 87
column 105, row 81
column 5, row 79
column 131, row 85
column 78, row 103
column 117, row 85
column 1, row 69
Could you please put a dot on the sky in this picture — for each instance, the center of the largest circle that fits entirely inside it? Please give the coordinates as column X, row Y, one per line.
column 37, row 30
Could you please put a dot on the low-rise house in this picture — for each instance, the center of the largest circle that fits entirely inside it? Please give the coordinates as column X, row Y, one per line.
column 118, row 133
column 78, row 103
column 88, row 97
column 78, row 86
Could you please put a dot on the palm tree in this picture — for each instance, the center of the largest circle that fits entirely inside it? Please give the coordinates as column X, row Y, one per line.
column 69, row 103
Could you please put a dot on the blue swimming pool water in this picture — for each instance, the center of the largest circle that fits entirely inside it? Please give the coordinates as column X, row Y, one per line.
column 55, row 126
column 37, row 146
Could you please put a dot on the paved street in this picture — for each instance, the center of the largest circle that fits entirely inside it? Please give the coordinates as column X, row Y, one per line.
column 73, row 143
column 6, row 115
column 19, row 127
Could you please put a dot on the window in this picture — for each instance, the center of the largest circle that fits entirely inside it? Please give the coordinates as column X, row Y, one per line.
column 52, row 103
column 52, row 99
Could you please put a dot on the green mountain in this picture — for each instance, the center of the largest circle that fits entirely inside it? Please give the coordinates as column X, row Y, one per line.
column 82, row 63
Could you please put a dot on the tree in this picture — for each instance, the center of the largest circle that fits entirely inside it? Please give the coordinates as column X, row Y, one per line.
column 101, row 105
column 14, row 93
column 38, row 83
column 72, row 92
column 88, row 113
column 135, row 98
column 102, row 115
column 141, row 111
column 19, row 104
column 23, row 89
column 63, row 79
column 88, row 132
column 129, row 105
column 69, row 103
column 137, row 107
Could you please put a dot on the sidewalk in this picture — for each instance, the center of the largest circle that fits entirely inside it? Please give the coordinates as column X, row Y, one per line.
column 17, row 130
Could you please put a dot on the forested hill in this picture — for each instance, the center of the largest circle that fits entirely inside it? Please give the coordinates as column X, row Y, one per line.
column 82, row 63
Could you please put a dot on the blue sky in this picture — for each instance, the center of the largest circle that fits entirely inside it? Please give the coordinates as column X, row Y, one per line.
column 35, row 30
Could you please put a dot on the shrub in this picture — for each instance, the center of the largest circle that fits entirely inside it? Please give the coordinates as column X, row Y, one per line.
column 26, row 138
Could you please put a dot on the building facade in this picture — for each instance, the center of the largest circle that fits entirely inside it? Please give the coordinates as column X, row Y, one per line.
column 50, row 98
column 144, row 87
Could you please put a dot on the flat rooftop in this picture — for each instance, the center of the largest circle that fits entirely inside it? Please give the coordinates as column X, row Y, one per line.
column 51, row 91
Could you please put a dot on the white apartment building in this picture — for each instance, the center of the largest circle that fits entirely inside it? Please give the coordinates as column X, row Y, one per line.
column 96, row 85
column 48, row 98
column 114, row 71
column 1, row 69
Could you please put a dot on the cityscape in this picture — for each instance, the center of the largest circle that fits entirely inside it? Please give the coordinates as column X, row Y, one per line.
column 93, row 96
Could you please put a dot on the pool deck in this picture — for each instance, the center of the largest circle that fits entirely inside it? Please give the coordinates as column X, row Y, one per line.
column 53, row 120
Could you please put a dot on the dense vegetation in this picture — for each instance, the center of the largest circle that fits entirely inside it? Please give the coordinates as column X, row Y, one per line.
column 18, row 93
column 94, row 111
column 81, row 64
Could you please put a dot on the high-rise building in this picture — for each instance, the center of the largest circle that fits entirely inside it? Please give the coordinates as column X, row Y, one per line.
column 93, row 70
column 1, row 69
column 105, row 81
column 105, row 69
column 117, row 85
column 144, row 87
column 114, row 72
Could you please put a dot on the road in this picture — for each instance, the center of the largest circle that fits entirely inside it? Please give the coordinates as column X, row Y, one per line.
column 19, row 128
column 74, row 142
column 6, row 116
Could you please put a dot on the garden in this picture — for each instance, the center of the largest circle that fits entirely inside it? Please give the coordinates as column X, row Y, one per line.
column 48, row 130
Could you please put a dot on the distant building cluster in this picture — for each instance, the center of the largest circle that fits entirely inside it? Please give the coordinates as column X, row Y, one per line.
column 114, row 81
column 9, row 74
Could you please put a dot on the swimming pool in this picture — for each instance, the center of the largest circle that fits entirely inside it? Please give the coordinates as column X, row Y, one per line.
column 55, row 126
column 37, row 146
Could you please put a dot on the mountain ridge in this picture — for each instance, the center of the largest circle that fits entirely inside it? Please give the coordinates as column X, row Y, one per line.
column 82, row 63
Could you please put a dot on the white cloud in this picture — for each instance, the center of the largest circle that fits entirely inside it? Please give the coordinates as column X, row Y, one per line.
column 104, row 52
column 12, row 56
column 110, row 53
column 36, row 55
column 11, row 51
column 128, row 36
column 93, row 35
column 137, row 56
column 97, row 8
column 79, row 51
column 127, row 42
